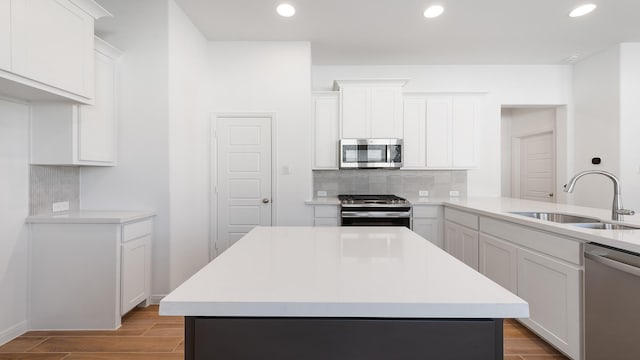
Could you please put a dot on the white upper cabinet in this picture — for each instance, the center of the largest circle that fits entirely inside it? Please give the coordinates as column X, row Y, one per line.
column 439, row 135
column 386, row 112
column 415, row 112
column 67, row 134
column 465, row 117
column 355, row 112
column 326, row 122
column 371, row 108
column 441, row 130
column 51, row 49
column 5, row 34
column 97, row 122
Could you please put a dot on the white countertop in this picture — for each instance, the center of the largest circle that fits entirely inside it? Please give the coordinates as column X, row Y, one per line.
column 500, row 208
column 378, row 272
column 90, row 217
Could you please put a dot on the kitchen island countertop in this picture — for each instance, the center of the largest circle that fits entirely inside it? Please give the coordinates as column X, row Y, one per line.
column 340, row 272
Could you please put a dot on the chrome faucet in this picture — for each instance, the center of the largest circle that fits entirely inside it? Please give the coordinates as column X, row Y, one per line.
column 617, row 211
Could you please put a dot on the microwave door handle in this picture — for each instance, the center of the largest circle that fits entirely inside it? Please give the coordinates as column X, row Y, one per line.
column 388, row 154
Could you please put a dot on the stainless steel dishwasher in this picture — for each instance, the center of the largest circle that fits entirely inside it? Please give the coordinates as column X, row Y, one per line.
column 612, row 304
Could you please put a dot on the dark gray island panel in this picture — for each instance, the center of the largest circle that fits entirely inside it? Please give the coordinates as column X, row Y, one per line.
column 249, row 338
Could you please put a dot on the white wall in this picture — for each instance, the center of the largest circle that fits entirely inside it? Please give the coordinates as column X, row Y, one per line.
column 271, row 77
column 630, row 125
column 188, row 145
column 506, row 85
column 520, row 122
column 14, row 208
column 596, row 87
column 141, row 179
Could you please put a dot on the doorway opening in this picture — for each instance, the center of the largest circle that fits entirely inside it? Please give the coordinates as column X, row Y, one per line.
column 533, row 144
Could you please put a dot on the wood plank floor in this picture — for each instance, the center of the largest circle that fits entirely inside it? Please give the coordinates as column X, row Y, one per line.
column 146, row 336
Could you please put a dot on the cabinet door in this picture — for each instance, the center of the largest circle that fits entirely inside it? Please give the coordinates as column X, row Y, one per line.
column 386, row 113
column 326, row 116
column 499, row 262
column 552, row 289
column 464, row 119
column 415, row 110
column 469, row 243
column 452, row 243
column 5, row 34
column 52, row 42
column 97, row 123
column 136, row 273
column 439, row 145
column 355, row 112
column 430, row 230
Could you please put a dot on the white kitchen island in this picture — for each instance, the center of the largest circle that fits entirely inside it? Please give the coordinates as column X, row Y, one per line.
column 340, row 293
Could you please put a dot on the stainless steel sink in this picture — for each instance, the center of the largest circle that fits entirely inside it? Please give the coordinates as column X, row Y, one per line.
column 606, row 226
column 558, row 218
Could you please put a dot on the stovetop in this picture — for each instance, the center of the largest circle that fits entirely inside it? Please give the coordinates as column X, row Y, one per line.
column 373, row 200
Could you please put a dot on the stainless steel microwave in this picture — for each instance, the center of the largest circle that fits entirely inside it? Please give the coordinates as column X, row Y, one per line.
column 370, row 153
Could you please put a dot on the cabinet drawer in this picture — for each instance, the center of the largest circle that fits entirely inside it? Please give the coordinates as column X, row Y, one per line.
column 462, row 218
column 136, row 230
column 559, row 247
column 421, row 211
column 326, row 211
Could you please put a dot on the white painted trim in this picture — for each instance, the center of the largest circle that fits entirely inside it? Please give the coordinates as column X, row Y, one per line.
column 13, row 332
column 432, row 93
column 107, row 49
column 155, row 299
column 213, row 200
column 337, row 84
column 92, row 8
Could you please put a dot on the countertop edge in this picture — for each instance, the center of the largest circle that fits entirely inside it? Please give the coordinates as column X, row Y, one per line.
column 91, row 217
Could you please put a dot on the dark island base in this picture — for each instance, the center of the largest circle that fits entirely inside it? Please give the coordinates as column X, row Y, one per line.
column 232, row 338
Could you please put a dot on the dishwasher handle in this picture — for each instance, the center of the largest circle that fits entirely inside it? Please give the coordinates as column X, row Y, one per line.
column 629, row 269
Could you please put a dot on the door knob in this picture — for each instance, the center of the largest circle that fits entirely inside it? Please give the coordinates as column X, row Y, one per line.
column 551, row 195
column 265, row 201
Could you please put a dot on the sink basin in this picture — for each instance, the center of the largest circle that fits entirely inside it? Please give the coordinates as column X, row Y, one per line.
column 558, row 218
column 606, row 226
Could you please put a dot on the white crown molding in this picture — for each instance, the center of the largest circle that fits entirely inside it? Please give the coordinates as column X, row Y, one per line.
column 92, row 8
column 337, row 84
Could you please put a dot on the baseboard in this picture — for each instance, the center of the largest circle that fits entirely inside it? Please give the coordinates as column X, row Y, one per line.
column 13, row 332
column 155, row 299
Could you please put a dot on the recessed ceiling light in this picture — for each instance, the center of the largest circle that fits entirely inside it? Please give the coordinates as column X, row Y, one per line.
column 433, row 11
column 286, row 10
column 582, row 10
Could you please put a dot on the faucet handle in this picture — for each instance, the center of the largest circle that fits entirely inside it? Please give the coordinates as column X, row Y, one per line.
column 625, row 212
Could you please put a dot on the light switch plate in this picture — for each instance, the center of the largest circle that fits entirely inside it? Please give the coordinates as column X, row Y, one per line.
column 453, row 193
column 60, row 206
column 423, row 193
column 322, row 193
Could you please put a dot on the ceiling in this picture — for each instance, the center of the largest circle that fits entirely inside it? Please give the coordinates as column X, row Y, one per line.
column 393, row 32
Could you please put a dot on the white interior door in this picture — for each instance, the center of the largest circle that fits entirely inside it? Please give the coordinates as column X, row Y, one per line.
column 537, row 167
column 243, row 177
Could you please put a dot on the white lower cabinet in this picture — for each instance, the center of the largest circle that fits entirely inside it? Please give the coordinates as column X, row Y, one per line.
column 499, row 262
column 86, row 276
column 461, row 236
column 462, row 243
column 326, row 215
column 543, row 269
column 136, row 269
column 553, row 291
column 427, row 222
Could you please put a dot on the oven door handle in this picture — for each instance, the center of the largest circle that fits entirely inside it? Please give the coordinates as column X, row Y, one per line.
column 376, row 214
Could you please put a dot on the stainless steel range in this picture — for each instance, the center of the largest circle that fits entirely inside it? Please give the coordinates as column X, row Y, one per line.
column 374, row 210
